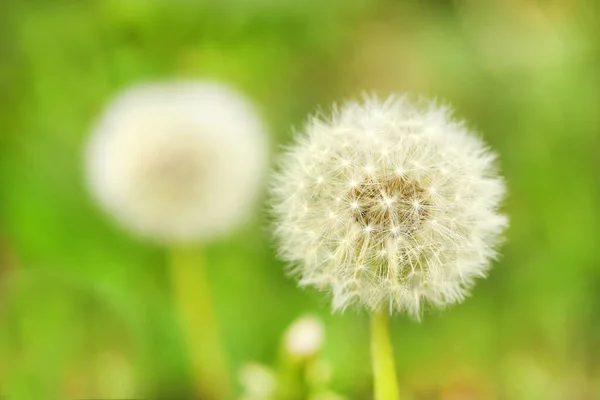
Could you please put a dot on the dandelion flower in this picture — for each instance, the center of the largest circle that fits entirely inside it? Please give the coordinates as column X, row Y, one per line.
column 389, row 204
column 177, row 162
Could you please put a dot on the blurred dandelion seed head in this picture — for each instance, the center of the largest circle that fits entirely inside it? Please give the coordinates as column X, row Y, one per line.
column 389, row 204
column 177, row 161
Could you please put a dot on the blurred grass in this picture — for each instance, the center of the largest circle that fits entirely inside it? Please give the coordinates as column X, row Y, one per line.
column 524, row 73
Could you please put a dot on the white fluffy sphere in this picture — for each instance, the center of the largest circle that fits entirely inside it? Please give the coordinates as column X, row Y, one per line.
column 177, row 161
column 389, row 204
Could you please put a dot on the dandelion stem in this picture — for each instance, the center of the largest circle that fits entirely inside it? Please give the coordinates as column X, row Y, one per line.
column 198, row 324
column 384, row 369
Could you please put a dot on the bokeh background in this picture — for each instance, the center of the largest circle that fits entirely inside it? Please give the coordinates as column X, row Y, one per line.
column 86, row 310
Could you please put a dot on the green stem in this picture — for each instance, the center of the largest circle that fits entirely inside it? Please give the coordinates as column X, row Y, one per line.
column 192, row 296
column 384, row 369
column 292, row 371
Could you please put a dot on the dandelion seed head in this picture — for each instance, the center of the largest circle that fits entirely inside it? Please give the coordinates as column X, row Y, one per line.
column 414, row 225
column 177, row 161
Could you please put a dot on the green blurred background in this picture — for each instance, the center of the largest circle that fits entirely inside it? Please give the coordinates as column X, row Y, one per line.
column 87, row 310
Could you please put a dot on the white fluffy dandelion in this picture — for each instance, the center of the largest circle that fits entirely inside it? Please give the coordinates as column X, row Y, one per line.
column 389, row 204
column 177, row 161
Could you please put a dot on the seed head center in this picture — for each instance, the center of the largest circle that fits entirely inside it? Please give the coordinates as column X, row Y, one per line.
column 171, row 173
column 389, row 204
